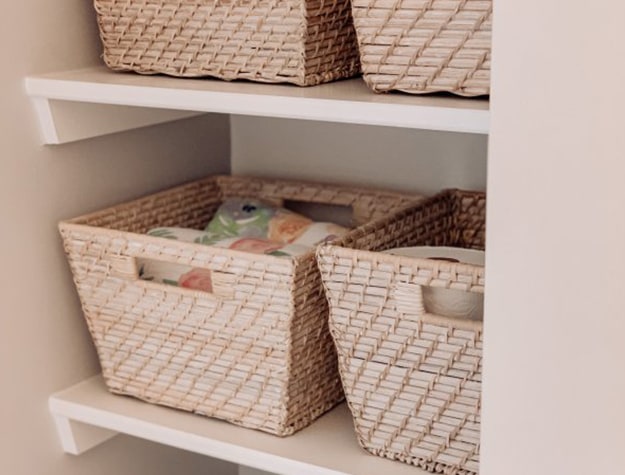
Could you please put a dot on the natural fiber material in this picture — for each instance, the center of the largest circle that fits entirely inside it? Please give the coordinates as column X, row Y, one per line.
column 421, row 46
column 305, row 42
column 412, row 379
column 256, row 351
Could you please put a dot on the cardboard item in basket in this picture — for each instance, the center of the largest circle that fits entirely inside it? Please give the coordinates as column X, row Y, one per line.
column 253, row 218
column 443, row 301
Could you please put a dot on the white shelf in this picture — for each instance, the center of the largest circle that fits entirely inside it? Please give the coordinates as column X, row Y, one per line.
column 87, row 415
column 344, row 101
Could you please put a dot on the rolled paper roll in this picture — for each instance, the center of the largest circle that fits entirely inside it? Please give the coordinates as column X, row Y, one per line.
column 448, row 302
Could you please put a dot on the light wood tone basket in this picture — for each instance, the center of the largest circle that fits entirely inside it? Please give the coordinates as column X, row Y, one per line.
column 422, row 46
column 256, row 351
column 304, row 42
column 412, row 379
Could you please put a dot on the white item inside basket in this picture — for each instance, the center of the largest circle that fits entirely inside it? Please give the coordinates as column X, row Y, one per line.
column 442, row 301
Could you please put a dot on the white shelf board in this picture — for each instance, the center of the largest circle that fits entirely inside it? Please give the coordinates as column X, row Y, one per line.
column 87, row 415
column 348, row 101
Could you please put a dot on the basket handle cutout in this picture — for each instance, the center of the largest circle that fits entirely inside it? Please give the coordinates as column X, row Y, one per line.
column 173, row 277
column 440, row 306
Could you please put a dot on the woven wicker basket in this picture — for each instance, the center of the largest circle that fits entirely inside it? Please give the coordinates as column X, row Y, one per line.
column 412, row 379
column 305, row 42
column 256, row 351
column 421, row 46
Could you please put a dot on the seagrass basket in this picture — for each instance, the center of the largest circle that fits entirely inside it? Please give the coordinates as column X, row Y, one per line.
column 304, row 42
column 412, row 379
column 256, row 351
column 422, row 46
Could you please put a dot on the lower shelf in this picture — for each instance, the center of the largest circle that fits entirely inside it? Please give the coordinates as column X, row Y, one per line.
column 87, row 415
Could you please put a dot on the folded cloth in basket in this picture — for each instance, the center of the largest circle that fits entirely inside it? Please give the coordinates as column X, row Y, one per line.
column 248, row 225
column 248, row 217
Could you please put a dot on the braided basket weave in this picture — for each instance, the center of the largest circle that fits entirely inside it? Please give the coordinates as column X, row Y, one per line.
column 412, row 379
column 256, row 351
column 305, row 42
column 421, row 46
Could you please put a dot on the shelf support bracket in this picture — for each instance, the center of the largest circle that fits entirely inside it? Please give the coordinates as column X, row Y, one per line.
column 77, row 437
column 69, row 121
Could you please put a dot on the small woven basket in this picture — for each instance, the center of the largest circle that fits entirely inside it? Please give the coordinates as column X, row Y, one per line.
column 304, row 42
column 256, row 351
column 412, row 379
column 422, row 46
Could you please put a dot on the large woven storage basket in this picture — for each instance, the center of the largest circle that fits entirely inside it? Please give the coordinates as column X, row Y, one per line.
column 256, row 351
column 305, row 42
column 412, row 379
column 421, row 46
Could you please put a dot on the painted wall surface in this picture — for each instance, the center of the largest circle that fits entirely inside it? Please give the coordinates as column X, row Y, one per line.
column 402, row 159
column 554, row 380
column 44, row 345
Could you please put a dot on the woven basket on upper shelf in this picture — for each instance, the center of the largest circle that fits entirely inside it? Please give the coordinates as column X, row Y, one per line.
column 422, row 46
column 305, row 42
column 256, row 351
column 412, row 379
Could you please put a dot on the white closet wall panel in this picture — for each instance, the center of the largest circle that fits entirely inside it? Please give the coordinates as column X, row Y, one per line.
column 554, row 362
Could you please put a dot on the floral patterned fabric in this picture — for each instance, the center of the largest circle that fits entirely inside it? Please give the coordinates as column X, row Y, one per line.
column 248, row 225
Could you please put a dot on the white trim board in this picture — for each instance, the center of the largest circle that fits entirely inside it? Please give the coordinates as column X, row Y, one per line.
column 87, row 415
column 348, row 101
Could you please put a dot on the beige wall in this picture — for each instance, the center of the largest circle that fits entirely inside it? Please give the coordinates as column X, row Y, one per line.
column 389, row 157
column 554, row 381
column 44, row 345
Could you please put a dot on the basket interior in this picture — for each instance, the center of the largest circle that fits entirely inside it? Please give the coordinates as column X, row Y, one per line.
column 453, row 218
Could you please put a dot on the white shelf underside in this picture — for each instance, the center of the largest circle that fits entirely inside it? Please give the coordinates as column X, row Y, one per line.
column 74, row 105
column 88, row 415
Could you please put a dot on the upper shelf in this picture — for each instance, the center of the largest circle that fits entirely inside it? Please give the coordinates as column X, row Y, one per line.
column 346, row 101
column 87, row 415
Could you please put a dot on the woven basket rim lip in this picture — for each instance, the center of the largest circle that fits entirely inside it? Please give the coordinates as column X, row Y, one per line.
column 131, row 201
column 378, row 256
column 371, row 190
column 421, row 201
column 79, row 221
column 203, row 248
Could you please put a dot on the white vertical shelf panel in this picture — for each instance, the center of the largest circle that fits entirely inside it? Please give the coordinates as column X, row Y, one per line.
column 87, row 414
column 348, row 101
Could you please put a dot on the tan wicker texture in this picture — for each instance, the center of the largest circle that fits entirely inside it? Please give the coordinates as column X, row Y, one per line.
column 305, row 42
column 256, row 351
column 421, row 46
column 412, row 379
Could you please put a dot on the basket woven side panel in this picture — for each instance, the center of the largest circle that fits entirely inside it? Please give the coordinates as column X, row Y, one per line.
column 468, row 211
column 422, row 46
column 205, row 353
column 255, row 352
column 413, row 386
column 314, row 373
column 259, row 40
column 331, row 45
column 191, row 205
column 450, row 218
